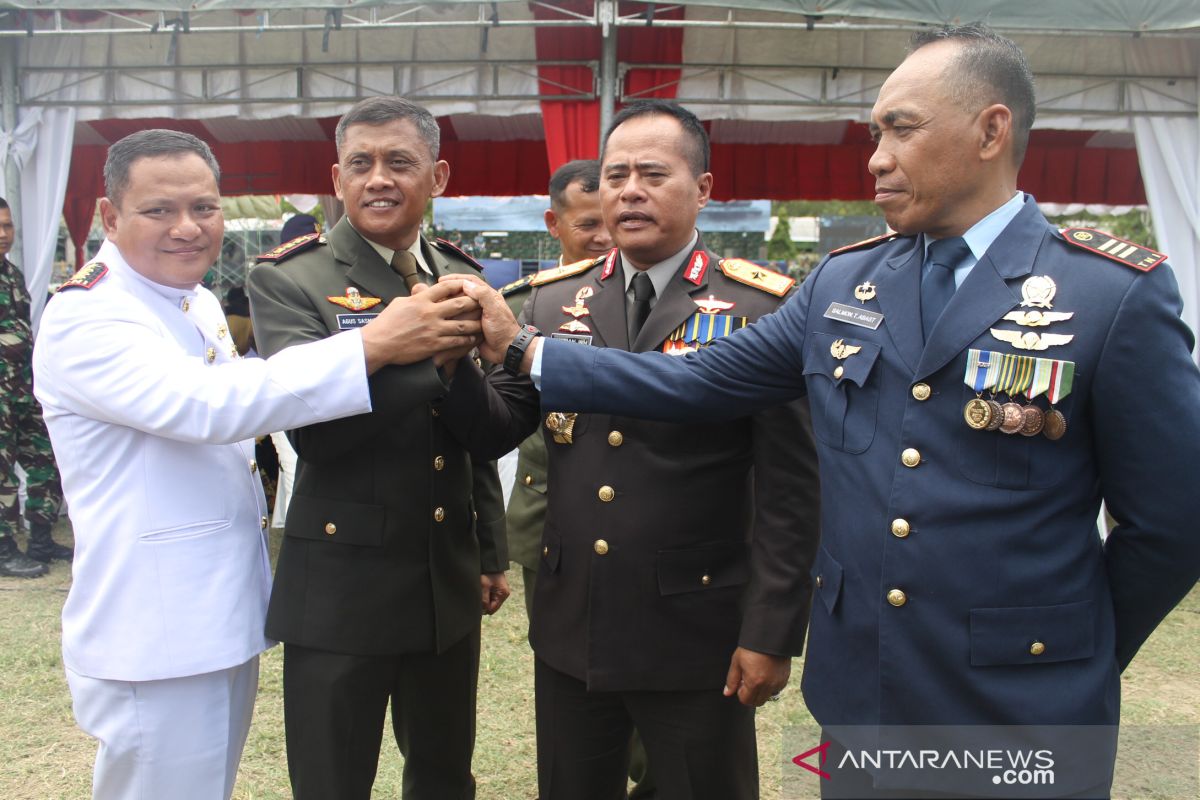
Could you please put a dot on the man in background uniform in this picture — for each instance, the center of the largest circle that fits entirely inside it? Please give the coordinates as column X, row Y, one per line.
column 574, row 219
column 23, row 437
column 979, row 380
column 675, row 557
column 394, row 539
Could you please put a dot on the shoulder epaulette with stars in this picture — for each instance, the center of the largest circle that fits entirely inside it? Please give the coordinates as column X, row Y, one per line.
column 874, row 240
column 516, row 286
column 751, row 274
column 87, row 277
column 1109, row 246
column 288, row 249
column 442, row 244
column 565, row 271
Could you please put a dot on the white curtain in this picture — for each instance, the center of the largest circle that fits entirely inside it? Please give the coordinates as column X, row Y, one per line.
column 1169, row 154
column 41, row 147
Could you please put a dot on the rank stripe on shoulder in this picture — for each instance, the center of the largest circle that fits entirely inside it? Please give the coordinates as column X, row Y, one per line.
column 87, row 276
column 874, row 240
column 516, row 286
column 443, row 244
column 1119, row 250
column 565, row 271
column 751, row 274
column 288, row 249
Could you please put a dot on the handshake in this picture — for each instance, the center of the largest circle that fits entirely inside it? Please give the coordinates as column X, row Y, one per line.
column 443, row 322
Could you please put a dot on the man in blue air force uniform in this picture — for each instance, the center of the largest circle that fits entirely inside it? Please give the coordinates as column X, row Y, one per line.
column 978, row 382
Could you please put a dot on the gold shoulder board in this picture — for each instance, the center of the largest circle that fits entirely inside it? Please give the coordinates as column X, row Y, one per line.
column 87, row 277
column 516, row 286
column 288, row 249
column 751, row 274
column 1119, row 250
column 565, row 271
column 874, row 240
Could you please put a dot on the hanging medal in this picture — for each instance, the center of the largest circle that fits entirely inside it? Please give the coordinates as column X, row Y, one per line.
column 1060, row 382
column 982, row 370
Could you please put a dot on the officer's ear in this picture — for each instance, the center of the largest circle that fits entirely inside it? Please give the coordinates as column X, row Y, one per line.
column 994, row 125
column 551, row 222
column 108, row 216
column 441, row 176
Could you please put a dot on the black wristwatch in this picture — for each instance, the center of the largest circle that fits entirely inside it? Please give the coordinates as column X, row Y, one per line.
column 516, row 350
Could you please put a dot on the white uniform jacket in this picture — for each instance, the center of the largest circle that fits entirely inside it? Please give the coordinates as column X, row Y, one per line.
column 151, row 415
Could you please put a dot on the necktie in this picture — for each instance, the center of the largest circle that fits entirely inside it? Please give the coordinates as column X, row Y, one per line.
column 643, row 293
column 405, row 264
column 937, row 287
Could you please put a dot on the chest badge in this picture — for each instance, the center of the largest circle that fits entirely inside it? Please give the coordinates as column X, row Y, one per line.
column 864, row 291
column 712, row 305
column 354, row 301
column 840, row 350
column 580, row 309
column 1029, row 340
column 1038, row 291
column 1038, row 319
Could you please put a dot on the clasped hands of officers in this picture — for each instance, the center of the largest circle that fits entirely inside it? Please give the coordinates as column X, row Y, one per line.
column 438, row 322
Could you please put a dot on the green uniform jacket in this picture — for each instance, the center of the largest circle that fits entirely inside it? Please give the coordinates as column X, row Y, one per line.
column 395, row 513
column 527, row 505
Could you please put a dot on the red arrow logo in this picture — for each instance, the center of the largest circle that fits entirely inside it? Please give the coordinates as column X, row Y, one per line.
column 823, row 750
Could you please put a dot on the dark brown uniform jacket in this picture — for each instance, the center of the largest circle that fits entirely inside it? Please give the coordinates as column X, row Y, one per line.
column 708, row 538
column 392, row 519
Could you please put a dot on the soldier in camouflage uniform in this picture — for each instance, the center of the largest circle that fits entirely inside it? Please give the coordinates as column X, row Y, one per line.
column 23, row 437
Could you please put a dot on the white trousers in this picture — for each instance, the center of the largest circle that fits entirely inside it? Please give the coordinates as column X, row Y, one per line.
column 174, row 739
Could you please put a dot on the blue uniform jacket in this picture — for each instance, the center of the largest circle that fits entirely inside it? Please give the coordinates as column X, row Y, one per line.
column 1001, row 550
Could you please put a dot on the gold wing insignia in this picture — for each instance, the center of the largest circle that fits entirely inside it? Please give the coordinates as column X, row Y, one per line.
column 1028, row 340
column 1038, row 319
column 839, row 349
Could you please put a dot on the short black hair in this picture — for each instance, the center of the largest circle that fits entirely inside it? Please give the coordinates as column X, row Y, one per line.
column 697, row 155
column 3, row 204
column 385, row 109
column 151, row 143
column 990, row 68
column 583, row 171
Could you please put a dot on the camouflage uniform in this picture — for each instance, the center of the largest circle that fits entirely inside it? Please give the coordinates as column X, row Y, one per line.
column 23, row 437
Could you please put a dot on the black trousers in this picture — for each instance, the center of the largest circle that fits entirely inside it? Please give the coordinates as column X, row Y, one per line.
column 701, row 745
column 334, row 707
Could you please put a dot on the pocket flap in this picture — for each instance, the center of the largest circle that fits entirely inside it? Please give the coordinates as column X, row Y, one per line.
column 827, row 579
column 335, row 521
column 710, row 566
column 1033, row 634
column 551, row 552
column 857, row 357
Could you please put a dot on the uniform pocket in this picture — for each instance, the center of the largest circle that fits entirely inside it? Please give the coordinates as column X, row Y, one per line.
column 827, row 579
column 695, row 569
column 335, row 521
column 1032, row 635
column 1009, row 461
column 843, row 392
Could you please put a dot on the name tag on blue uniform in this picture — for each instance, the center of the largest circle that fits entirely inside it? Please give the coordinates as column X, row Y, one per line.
column 348, row 322
column 862, row 317
column 574, row 338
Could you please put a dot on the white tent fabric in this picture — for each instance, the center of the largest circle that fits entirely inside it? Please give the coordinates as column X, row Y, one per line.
column 1169, row 154
column 41, row 145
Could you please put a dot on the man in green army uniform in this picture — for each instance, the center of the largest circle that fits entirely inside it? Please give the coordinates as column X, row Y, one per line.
column 573, row 219
column 23, row 437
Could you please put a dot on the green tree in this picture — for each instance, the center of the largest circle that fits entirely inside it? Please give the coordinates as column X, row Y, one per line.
column 781, row 247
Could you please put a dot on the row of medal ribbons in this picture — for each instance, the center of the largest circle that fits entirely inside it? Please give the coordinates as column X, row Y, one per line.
column 1014, row 376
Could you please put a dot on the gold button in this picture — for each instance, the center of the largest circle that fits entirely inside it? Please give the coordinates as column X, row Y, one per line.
column 263, row 521
column 185, row 305
column 921, row 391
column 434, row 411
column 839, row 372
column 221, row 331
column 439, row 463
column 910, row 457
column 439, row 514
column 475, row 515
column 820, row 581
column 1036, row 649
column 616, row 438
column 529, row 480
column 705, row 580
column 330, row 528
column 606, row 494
column 211, row 354
column 900, row 528
column 601, row 547
column 478, row 362
column 897, row 597
column 253, row 467
column 545, row 551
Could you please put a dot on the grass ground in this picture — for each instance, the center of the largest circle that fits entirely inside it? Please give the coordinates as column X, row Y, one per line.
column 43, row 756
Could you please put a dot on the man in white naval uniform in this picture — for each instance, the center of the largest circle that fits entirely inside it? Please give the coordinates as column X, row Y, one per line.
column 151, row 414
